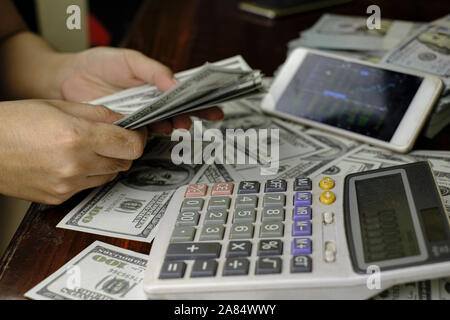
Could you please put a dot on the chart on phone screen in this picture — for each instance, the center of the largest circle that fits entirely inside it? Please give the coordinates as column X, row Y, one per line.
column 348, row 95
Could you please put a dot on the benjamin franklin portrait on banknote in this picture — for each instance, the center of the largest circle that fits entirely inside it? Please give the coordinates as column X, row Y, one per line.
column 157, row 175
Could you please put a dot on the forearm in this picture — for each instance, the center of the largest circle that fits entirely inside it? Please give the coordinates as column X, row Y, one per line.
column 31, row 68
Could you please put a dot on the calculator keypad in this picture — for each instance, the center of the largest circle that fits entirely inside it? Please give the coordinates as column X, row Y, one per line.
column 246, row 228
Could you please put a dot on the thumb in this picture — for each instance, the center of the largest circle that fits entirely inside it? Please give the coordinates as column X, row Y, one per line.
column 88, row 111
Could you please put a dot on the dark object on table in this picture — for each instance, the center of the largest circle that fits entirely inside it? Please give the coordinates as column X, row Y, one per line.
column 278, row 8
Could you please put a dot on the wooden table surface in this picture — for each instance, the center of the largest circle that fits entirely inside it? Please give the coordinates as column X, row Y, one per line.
column 183, row 34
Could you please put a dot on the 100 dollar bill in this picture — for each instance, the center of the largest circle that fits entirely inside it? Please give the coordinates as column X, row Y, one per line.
column 428, row 50
column 99, row 272
column 334, row 31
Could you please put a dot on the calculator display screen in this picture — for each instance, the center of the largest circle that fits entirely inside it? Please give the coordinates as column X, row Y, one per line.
column 351, row 96
column 387, row 228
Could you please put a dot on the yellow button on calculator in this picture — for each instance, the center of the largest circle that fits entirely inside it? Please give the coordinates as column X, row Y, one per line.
column 326, row 183
column 327, row 197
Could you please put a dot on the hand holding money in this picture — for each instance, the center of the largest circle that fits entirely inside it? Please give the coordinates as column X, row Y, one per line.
column 97, row 72
column 101, row 71
column 52, row 149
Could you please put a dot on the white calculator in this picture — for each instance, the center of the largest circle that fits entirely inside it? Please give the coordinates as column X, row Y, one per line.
column 347, row 237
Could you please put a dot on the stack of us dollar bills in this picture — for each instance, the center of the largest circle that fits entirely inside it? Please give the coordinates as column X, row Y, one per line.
column 417, row 46
column 197, row 88
column 131, row 206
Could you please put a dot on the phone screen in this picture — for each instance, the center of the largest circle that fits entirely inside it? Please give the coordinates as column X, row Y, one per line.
column 352, row 96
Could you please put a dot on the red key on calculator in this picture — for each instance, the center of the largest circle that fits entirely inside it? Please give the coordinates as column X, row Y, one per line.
column 196, row 190
column 222, row 189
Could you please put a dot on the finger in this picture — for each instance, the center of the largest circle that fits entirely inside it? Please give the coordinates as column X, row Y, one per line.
column 149, row 70
column 115, row 142
column 161, row 127
column 213, row 114
column 182, row 121
column 88, row 111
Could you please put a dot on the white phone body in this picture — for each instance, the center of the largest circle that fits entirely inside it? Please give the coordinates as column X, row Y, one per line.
column 406, row 132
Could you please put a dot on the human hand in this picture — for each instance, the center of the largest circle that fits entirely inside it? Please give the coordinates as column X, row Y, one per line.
column 101, row 71
column 50, row 150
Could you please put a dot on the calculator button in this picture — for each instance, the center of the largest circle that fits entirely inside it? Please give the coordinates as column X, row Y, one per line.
column 196, row 190
column 187, row 218
column 271, row 229
column 247, row 187
column 216, row 216
column 246, row 201
column 193, row 251
column 222, row 189
column 245, row 215
column 329, row 251
column 204, row 268
column 272, row 214
column 270, row 247
column 181, row 234
column 302, row 184
column 268, row 265
column 302, row 199
column 301, row 264
column 326, row 183
column 239, row 249
column 301, row 228
column 236, row 267
column 275, row 199
column 302, row 213
column 327, row 197
column 328, row 217
column 172, row 270
column 276, row 185
column 192, row 204
column 219, row 203
column 241, row 231
column 301, row 246
column 212, row 232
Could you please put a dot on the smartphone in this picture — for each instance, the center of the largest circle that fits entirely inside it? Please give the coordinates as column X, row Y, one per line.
column 378, row 104
column 278, row 8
